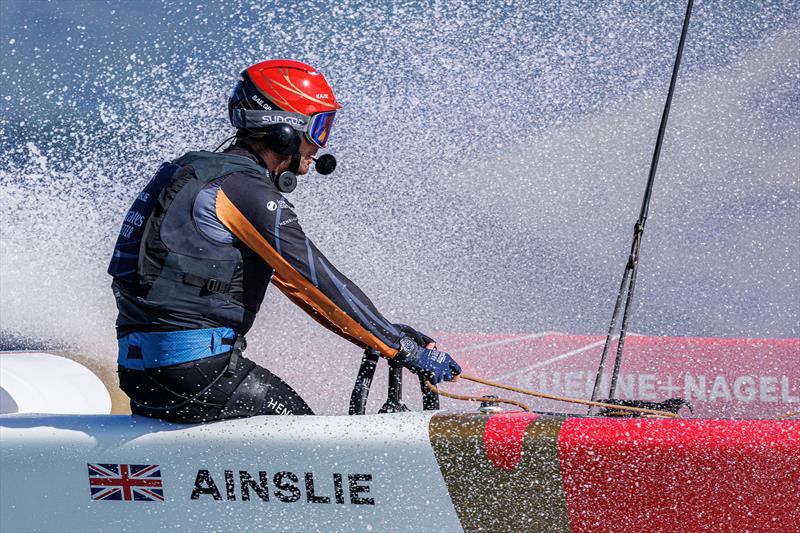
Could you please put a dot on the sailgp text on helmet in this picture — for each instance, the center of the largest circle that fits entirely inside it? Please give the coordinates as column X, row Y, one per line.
column 272, row 95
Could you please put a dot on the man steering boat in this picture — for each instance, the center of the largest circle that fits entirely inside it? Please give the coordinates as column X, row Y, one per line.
column 201, row 243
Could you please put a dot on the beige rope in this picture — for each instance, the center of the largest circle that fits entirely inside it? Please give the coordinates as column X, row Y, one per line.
column 466, row 398
column 569, row 399
column 787, row 415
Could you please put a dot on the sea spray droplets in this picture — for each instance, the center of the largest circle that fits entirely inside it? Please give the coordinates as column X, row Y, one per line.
column 490, row 166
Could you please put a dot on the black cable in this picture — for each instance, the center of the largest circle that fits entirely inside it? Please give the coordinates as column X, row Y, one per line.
column 632, row 265
column 223, row 142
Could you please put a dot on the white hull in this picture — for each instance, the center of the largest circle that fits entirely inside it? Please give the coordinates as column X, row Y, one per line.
column 45, row 485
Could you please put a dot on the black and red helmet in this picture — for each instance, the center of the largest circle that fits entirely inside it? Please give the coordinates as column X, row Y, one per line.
column 272, row 94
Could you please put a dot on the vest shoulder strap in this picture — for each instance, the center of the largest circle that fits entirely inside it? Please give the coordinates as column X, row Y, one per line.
column 211, row 165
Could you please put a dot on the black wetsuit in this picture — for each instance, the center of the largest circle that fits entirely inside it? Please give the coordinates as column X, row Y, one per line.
column 245, row 211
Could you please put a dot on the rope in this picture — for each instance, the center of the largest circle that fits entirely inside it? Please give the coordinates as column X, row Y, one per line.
column 546, row 396
column 787, row 415
column 466, row 398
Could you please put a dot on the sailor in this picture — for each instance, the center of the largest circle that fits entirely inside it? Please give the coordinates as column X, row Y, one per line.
column 202, row 241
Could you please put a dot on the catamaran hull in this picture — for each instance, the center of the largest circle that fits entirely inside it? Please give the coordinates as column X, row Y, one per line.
column 400, row 472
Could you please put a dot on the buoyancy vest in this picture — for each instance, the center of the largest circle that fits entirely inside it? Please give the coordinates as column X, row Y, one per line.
column 170, row 276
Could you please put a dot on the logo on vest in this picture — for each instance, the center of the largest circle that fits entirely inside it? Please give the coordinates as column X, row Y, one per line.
column 272, row 205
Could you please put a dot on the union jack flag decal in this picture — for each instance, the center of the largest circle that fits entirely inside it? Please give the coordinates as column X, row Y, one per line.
column 141, row 483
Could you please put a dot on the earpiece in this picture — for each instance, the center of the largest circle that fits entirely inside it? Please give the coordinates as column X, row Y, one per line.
column 282, row 139
column 286, row 182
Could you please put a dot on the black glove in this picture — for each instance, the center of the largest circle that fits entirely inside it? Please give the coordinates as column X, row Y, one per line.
column 419, row 337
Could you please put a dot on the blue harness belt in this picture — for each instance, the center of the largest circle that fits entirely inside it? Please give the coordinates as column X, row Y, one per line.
column 138, row 351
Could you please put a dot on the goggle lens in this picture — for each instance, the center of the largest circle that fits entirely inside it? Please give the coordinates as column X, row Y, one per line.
column 320, row 129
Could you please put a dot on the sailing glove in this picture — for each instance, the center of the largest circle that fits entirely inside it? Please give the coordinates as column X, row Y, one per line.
column 419, row 337
column 435, row 365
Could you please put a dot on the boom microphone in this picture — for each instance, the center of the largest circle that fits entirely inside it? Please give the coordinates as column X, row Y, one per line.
column 325, row 164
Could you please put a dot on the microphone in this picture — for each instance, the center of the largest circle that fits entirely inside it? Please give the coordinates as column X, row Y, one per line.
column 325, row 164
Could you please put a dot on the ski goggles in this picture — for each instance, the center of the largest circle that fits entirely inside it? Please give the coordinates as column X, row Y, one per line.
column 319, row 128
column 316, row 128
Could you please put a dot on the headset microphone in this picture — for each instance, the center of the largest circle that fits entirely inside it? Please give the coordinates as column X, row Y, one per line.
column 325, row 164
column 287, row 180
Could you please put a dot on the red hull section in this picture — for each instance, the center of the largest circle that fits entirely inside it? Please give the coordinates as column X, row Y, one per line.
column 503, row 438
column 674, row 475
column 544, row 473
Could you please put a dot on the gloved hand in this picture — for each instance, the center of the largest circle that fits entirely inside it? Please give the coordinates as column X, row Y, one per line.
column 419, row 337
column 435, row 365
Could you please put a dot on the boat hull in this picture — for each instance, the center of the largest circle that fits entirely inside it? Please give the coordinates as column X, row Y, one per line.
column 406, row 471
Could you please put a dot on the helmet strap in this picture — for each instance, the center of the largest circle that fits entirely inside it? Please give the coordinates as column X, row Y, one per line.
column 295, row 165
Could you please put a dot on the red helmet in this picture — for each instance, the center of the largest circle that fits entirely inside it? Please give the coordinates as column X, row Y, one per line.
column 280, row 92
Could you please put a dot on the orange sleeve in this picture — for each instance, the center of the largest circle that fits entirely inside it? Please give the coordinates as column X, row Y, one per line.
column 294, row 285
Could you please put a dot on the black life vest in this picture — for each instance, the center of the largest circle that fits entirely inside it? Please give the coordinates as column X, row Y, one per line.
column 167, row 274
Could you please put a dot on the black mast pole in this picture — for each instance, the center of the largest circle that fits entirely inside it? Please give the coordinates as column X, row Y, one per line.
column 632, row 266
